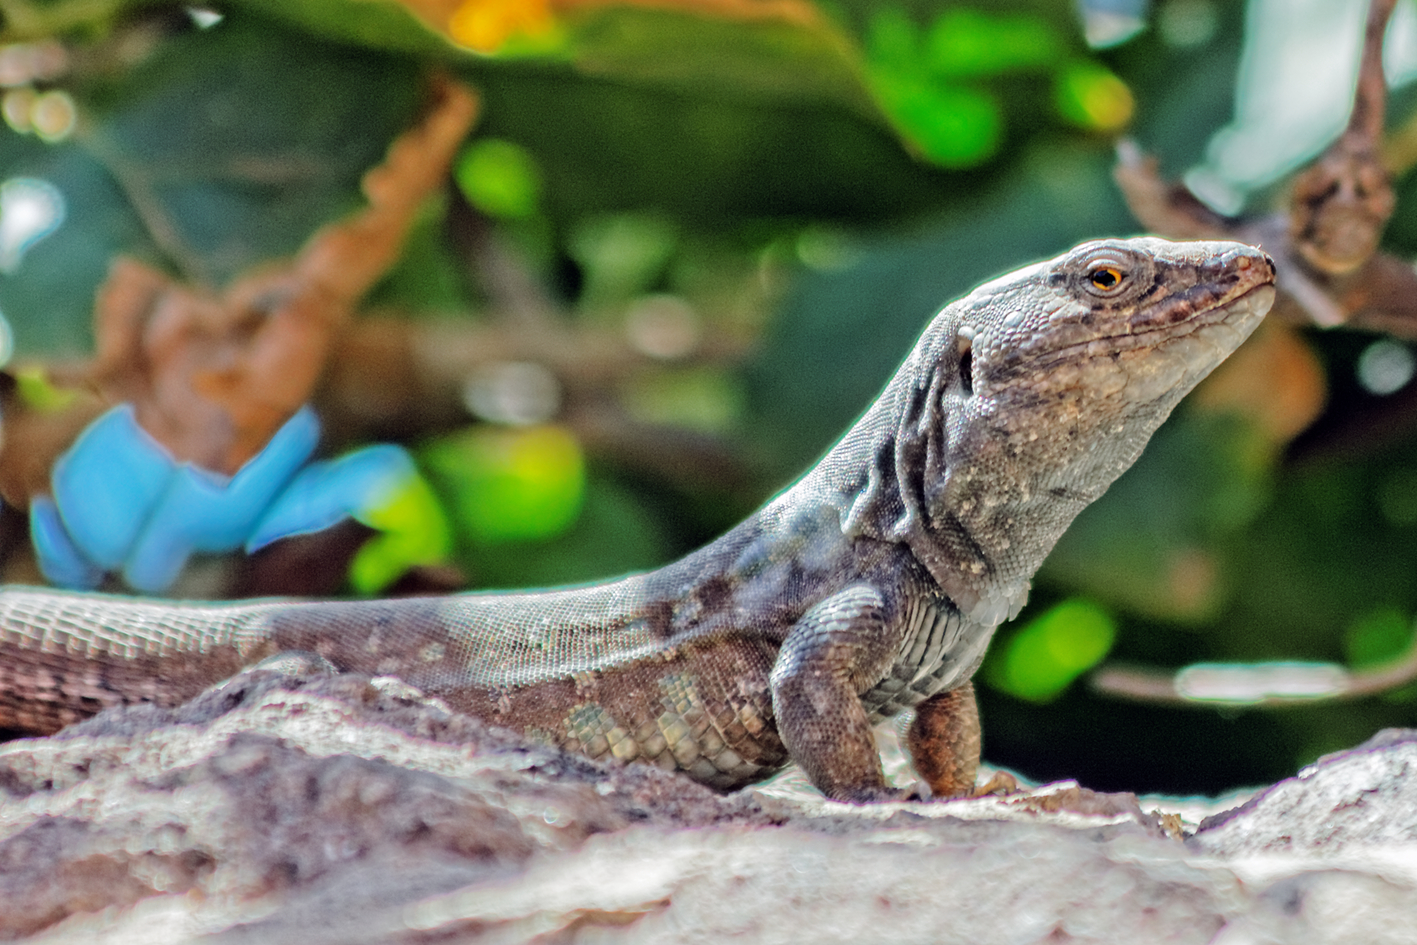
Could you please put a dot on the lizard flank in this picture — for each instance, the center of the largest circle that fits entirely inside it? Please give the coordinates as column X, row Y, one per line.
column 870, row 587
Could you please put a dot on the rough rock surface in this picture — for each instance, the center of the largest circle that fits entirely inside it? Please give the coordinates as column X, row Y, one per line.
column 348, row 810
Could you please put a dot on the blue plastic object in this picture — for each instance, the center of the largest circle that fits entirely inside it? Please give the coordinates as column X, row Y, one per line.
column 61, row 562
column 323, row 494
column 106, row 484
column 122, row 503
column 204, row 511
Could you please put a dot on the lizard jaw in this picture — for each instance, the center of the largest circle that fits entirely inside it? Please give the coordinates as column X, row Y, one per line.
column 1179, row 362
column 1239, row 315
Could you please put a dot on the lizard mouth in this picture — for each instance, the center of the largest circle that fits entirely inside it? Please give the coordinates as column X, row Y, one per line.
column 1203, row 305
column 1223, row 320
column 1223, row 326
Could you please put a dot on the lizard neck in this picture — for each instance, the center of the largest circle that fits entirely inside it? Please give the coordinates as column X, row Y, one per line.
column 963, row 490
column 885, row 478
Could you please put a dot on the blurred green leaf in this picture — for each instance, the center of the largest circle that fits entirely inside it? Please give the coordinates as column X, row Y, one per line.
column 37, row 392
column 506, row 484
column 705, row 399
column 893, row 40
column 1397, row 497
column 1157, row 545
column 428, row 277
column 1043, row 657
column 227, row 148
column 412, row 531
column 699, row 155
column 234, row 144
column 499, row 178
column 620, row 256
column 616, row 533
column 1377, row 637
column 1091, row 97
column 950, row 124
column 971, row 42
column 953, row 125
column 803, row 58
column 787, row 57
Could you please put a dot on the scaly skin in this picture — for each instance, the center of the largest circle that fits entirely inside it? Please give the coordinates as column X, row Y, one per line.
column 870, row 587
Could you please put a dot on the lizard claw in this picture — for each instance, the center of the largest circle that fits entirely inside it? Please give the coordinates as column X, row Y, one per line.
column 1001, row 784
column 295, row 663
column 917, row 792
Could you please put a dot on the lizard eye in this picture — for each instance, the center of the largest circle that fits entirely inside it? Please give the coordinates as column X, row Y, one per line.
column 1105, row 278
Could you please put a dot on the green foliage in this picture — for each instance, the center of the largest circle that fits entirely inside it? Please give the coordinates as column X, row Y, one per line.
column 412, row 531
column 708, row 400
column 428, row 277
column 1157, row 546
column 1090, row 96
column 935, row 83
column 36, row 391
column 785, row 62
column 509, row 484
column 1377, row 637
column 499, row 178
column 1040, row 660
column 214, row 155
column 617, row 532
column 969, row 42
column 619, row 256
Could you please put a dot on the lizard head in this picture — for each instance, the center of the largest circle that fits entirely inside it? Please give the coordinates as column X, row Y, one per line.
column 1026, row 399
column 1112, row 327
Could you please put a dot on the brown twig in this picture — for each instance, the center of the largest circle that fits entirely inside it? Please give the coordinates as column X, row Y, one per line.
column 1342, row 202
column 1259, row 685
column 389, row 376
column 1326, row 246
column 213, row 377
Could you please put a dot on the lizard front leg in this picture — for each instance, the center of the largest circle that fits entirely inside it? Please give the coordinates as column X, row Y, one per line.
column 944, row 741
column 833, row 653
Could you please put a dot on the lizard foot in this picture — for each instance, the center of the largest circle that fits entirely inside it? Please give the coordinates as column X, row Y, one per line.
column 396, row 688
column 294, row 663
column 1001, row 784
column 286, row 663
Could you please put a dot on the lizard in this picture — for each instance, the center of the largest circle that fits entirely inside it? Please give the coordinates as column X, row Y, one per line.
column 869, row 587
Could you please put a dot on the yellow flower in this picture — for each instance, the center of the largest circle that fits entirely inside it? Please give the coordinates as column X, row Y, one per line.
column 485, row 25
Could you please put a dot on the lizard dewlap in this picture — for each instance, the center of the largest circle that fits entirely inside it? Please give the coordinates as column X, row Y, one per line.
column 871, row 586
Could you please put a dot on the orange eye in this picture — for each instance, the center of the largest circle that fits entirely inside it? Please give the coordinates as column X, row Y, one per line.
column 1105, row 278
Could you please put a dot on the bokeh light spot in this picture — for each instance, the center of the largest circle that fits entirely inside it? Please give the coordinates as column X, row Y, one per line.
column 30, row 209
column 1385, row 367
column 499, row 178
column 516, row 393
column 54, row 115
column 486, row 26
column 1090, row 96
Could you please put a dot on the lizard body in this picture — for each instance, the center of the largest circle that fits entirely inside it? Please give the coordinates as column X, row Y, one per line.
column 871, row 586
